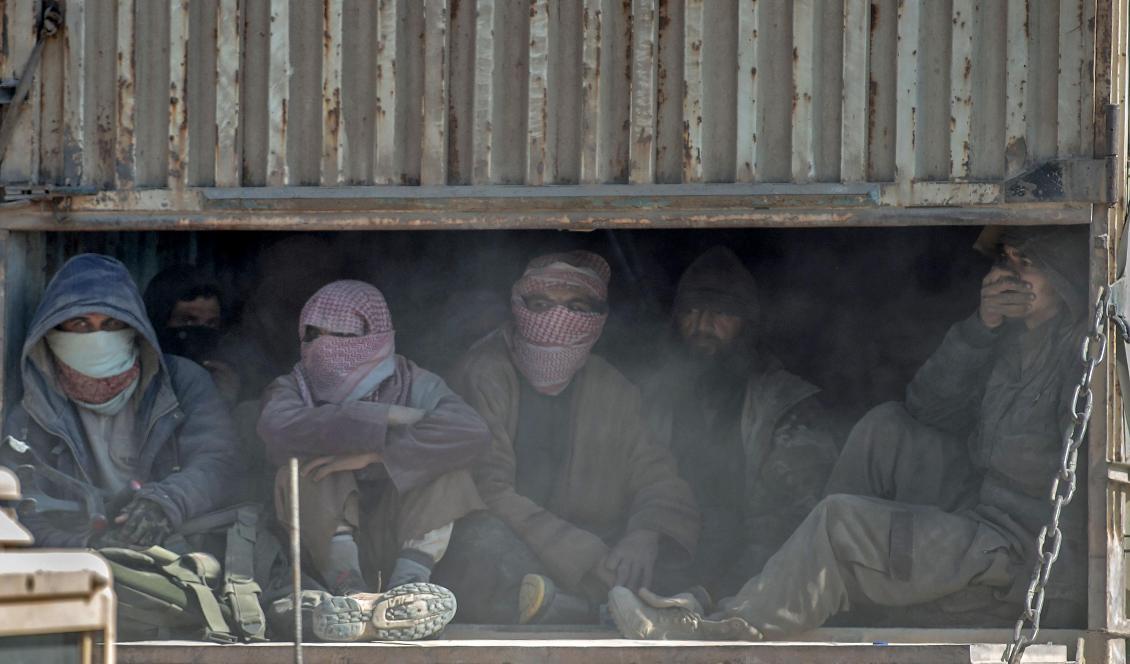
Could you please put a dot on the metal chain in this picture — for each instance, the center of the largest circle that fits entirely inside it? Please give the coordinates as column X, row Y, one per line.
column 1050, row 539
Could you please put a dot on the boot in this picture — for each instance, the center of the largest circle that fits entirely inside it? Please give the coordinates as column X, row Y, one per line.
column 677, row 618
column 541, row 603
column 405, row 613
column 280, row 615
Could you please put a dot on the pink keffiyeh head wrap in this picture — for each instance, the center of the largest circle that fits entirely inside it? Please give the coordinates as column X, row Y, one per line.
column 334, row 367
column 549, row 347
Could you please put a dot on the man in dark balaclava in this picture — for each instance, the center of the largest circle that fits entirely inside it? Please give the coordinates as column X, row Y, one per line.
column 935, row 503
column 749, row 436
column 189, row 312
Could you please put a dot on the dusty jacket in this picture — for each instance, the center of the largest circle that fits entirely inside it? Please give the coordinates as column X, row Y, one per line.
column 187, row 458
column 974, row 387
column 614, row 479
column 450, row 436
column 788, row 450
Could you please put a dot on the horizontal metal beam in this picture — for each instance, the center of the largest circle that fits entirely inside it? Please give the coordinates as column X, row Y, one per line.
column 536, row 217
column 513, row 207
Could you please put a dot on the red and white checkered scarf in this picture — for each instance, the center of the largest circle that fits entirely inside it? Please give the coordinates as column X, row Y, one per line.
column 95, row 391
column 332, row 367
column 549, row 347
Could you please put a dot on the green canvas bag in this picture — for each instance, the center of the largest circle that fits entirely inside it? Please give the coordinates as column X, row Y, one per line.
column 163, row 594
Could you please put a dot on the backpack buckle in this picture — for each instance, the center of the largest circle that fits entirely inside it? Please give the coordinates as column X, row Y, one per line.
column 219, row 637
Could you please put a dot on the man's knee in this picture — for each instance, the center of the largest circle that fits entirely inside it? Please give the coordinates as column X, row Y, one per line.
column 883, row 423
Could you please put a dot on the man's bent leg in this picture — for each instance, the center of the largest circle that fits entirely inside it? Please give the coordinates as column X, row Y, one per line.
column 398, row 524
column 893, row 456
column 328, row 511
column 856, row 549
column 484, row 567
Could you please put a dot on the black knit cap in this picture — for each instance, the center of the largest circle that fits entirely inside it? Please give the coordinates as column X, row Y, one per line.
column 718, row 280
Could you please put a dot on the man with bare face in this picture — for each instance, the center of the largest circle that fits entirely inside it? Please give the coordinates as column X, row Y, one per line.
column 935, row 503
column 749, row 437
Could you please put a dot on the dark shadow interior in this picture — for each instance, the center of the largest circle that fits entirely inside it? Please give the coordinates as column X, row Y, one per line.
column 855, row 311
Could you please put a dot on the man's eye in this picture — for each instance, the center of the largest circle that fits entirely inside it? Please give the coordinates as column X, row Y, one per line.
column 580, row 307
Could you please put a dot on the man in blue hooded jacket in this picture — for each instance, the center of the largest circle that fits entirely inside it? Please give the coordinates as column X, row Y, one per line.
column 102, row 405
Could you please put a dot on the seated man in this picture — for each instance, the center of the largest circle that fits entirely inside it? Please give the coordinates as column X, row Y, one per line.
column 579, row 496
column 189, row 312
column 751, row 438
column 937, row 502
column 385, row 446
column 146, row 433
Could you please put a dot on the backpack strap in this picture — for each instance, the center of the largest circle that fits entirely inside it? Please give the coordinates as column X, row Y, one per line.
column 239, row 589
column 193, row 571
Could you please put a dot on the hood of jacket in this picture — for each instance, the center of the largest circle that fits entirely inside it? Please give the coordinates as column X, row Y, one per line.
column 88, row 283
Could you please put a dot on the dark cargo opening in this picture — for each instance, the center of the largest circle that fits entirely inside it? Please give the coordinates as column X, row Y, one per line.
column 855, row 311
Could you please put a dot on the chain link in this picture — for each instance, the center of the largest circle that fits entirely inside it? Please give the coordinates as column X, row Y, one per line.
column 1048, row 542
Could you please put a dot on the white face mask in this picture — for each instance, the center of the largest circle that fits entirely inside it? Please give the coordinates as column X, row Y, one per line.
column 95, row 354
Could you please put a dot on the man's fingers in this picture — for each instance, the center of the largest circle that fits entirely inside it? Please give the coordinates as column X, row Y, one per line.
column 997, row 274
column 645, row 575
column 313, row 464
column 1011, row 297
column 623, row 573
column 1005, row 284
column 324, row 471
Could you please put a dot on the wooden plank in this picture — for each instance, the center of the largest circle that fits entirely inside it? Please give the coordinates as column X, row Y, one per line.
column 645, row 62
column 1016, row 88
column 278, row 93
column 746, row 143
column 546, row 651
column 692, row 91
column 853, row 138
column 333, row 128
column 965, row 16
column 1069, row 137
column 125, row 143
column 590, row 91
column 538, row 160
column 433, row 161
column 906, row 153
column 74, row 93
column 384, row 158
column 804, row 89
column 178, row 94
column 20, row 161
column 229, row 22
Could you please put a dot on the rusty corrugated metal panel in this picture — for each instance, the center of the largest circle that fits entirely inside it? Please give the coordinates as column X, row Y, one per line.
column 173, row 94
column 21, row 19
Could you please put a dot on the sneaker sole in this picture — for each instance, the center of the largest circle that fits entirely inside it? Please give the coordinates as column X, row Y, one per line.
column 410, row 612
column 533, row 595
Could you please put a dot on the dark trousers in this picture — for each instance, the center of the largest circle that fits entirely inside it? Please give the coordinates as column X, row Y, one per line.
column 484, row 566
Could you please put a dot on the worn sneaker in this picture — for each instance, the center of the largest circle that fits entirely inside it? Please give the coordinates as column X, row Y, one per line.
column 405, row 613
column 534, row 595
column 676, row 618
column 540, row 602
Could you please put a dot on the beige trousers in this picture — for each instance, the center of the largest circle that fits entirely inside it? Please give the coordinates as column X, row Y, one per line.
column 381, row 518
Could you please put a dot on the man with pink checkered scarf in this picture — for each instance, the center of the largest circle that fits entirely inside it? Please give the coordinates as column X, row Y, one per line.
column 579, row 497
column 385, row 448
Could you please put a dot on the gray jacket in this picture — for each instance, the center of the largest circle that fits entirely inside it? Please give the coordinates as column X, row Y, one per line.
column 187, row 456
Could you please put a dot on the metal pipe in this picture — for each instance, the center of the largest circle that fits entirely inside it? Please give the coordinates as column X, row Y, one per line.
column 296, row 559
